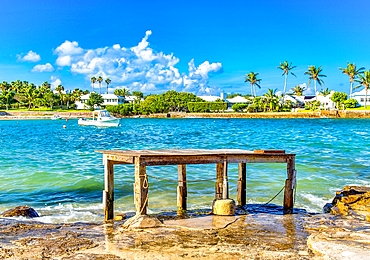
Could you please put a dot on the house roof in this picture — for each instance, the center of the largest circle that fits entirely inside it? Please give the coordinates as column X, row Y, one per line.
column 238, row 99
column 209, row 98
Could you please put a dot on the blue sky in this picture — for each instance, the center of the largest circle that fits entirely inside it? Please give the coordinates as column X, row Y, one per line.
column 202, row 47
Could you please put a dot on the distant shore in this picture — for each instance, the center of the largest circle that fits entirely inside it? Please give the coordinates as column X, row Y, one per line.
column 19, row 115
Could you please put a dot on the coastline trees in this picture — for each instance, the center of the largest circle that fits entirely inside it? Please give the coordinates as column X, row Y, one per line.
column 93, row 80
column 107, row 81
column 100, row 80
column 352, row 72
column 364, row 80
column 286, row 68
column 314, row 74
column 251, row 77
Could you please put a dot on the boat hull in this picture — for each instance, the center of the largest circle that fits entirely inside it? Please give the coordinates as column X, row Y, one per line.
column 99, row 123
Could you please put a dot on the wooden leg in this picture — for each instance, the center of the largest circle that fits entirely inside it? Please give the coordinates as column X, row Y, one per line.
column 108, row 193
column 181, row 188
column 141, row 188
column 242, row 184
column 225, row 182
column 290, row 183
column 219, row 178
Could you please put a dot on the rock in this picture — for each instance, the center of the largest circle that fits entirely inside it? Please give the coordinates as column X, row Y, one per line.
column 352, row 200
column 21, row 211
column 142, row 221
column 223, row 207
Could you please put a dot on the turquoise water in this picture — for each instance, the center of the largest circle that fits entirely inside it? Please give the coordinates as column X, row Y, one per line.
column 58, row 172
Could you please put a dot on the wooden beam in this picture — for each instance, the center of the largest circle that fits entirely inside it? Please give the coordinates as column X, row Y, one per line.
column 108, row 193
column 181, row 188
column 242, row 184
column 219, row 173
column 141, row 188
column 290, row 183
column 225, row 182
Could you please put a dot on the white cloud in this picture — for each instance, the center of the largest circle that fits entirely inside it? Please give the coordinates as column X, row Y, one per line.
column 55, row 82
column 30, row 56
column 43, row 68
column 138, row 68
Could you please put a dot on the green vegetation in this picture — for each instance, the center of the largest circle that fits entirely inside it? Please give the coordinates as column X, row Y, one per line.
column 24, row 95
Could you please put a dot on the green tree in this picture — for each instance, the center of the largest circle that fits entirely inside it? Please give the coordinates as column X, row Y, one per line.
column 271, row 99
column 123, row 92
column 60, row 89
column 94, row 100
column 339, row 98
column 315, row 75
column 251, row 77
column 286, row 68
column 7, row 97
column 138, row 94
column 107, row 81
column 364, row 80
column 298, row 90
column 93, row 80
column 100, row 80
column 352, row 72
column 325, row 92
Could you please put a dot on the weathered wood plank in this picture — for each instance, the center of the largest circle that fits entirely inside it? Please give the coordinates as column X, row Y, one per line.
column 225, row 182
column 289, row 186
column 176, row 160
column 108, row 193
column 242, row 184
column 141, row 188
column 268, row 151
column 181, row 188
column 218, row 185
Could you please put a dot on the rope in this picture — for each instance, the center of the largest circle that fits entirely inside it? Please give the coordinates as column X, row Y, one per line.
column 275, row 195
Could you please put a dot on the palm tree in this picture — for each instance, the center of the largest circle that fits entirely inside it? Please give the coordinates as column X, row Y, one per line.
column 286, row 68
column 314, row 74
column 93, row 80
column 107, row 81
column 99, row 79
column 60, row 88
column 325, row 92
column 271, row 98
column 352, row 72
column 364, row 80
column 251, row 77
column 298, row 90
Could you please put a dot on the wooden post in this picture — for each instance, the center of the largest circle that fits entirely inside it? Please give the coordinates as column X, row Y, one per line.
column 225, row 182
column 242, row 184
column 290, row 183
column 108, row 193
column 141, row 188
column 219, row 187
column 181, row 188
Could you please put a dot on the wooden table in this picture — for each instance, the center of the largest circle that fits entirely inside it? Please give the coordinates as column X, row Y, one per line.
column 221, row 157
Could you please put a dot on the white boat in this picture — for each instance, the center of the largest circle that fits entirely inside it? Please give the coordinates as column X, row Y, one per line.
column 56, row 117
column 101, row 118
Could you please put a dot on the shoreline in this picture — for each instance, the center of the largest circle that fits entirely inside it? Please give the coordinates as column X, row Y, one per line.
column 20, row 115
column 256, row 235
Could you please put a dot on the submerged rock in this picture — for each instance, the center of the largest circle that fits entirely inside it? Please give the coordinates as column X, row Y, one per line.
column 21, row 211
column 352, row 200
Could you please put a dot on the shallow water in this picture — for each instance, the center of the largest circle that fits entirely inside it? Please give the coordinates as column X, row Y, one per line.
column 58, row 172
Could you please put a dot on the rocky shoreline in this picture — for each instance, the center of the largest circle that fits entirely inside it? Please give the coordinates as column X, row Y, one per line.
column 255, row 232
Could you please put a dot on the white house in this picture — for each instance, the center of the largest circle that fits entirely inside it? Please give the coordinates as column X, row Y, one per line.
column 109, row 99
column 360, row 97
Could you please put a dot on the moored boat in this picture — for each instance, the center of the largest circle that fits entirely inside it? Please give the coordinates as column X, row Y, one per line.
column 101, row 118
